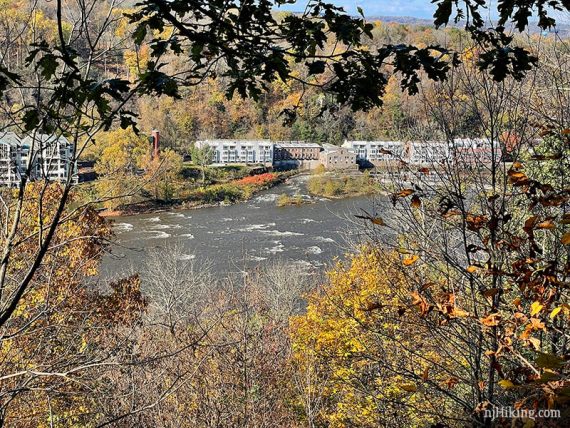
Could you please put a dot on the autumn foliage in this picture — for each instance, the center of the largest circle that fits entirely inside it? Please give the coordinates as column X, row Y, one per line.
column 257, row 180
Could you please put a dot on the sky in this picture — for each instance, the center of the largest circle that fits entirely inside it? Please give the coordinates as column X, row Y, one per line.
column 413, row 8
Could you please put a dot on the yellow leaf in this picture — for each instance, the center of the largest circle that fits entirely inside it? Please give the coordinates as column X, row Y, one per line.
column 535, row 308
column 408, row 261
column 535, row 342
column 507, row 384
column 459, row 313
column 566, row 238
column 471, row 269
column 555, row 312
column 410, row 387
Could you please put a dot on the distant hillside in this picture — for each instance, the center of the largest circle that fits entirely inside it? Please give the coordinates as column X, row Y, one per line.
column 563, row 29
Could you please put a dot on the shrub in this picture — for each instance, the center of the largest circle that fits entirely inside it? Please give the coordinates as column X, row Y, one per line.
column 257, row 180
column 220, row 193
column 284, row 200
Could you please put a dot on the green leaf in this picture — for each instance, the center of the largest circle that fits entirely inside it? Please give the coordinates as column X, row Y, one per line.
column 549, row 361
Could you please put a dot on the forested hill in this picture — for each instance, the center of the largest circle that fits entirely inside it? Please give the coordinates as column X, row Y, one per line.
column 562, row 29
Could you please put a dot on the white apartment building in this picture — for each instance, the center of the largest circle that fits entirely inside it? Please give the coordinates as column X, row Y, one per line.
column 476, row 151
column 427, row 152
column 240, row 151
column 10, row 159
column 376, row 152
column 52, row 157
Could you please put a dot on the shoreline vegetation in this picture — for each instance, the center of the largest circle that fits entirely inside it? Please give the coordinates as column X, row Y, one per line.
column 239, row 187
column 285, row 200
column 337, row 185
column 332, row 185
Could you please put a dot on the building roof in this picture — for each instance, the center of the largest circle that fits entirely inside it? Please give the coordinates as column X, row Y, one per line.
column 331, row 148
column 349, row 144
column 233, row 141
column 43, row 140
column 304, row 144
column 10, row 138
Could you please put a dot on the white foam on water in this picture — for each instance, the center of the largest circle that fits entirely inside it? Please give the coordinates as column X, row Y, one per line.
column 279, row 248
column 314, row 250
column 307, row 220
column 257, row 258
column 254, row 227
column 152, row 219
column 159, row 235
column 187, row 257
column 323, row 239
column 165, row 226
column 280, row 233
column 225, row 219
column 179, row 215
column 271, row 197
column 123, row 227
column 187, row 235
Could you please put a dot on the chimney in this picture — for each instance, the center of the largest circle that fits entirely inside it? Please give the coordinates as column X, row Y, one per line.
column 155, row 143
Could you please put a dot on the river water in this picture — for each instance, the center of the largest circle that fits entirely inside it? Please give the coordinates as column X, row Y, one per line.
column 238, row 237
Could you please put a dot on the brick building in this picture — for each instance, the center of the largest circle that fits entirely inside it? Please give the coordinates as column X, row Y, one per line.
column 337, row 157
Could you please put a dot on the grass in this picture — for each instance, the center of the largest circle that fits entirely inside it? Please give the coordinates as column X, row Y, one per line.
column 336, row 186
column 286, row 200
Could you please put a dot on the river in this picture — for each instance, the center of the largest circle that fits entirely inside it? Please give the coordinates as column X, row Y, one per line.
column 237, row 237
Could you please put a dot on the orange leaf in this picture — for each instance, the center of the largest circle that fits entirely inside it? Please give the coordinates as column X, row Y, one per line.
column 491, row 320
column 546, row 224
column 416, row 201
column 404, row 193
column 378, row 221
column 490, row 292
column 566, row 238
column 408, row 261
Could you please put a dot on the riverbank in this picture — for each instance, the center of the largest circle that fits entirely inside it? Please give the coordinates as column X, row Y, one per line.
column 213, row 195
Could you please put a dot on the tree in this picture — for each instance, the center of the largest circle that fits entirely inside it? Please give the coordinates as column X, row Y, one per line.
column 347, row 337
column 489, row 243
column 203, row 157
column 120, row 163
column 252, row 57
column 65, row 333
column 163, row 171
column 62, row 83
